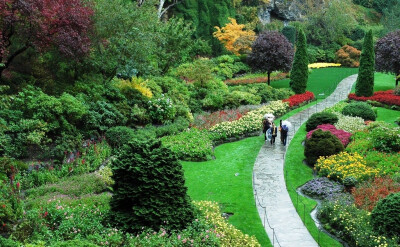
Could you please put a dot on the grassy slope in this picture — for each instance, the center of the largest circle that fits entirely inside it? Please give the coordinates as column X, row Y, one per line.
column 387, row 115
column 382, row 82
column 215, row 180
column 315, row 84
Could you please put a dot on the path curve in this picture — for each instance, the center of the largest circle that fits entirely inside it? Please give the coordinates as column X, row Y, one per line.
column 273, row 202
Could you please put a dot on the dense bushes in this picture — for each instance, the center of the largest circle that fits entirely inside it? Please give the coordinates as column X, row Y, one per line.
column 119, row 135
column 348, row 56
column 343, row 136
column 320, row 118
column 359, row 109
column 385, row 217
column 321, row 143
column 149, row 189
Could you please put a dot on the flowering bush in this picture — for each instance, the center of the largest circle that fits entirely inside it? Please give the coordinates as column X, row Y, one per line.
column 262, row 79
column 367, row 194
column 206, row 121
column 251, row 121
column 323, row 65
column 349, row 124
column 343, row 165
column 386, row 139
column 299, row 98
column 386, row 97
column 322, row 188
column 161, row 109
column 352, row 225
column 343, row 136
column 230, row 236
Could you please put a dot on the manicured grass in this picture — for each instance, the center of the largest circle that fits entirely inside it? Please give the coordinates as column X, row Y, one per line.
column 387, row 115
column 322, row 80
column 297, row 174
column 382, row 82
column 228, row 181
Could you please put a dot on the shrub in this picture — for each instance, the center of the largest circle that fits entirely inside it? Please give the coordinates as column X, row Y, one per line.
column 337, row 108
column 266, row 92
column 102, row 116
column 396, row 91
column 320, row 118
column 348, row 56
column 298, row 99
column 386, row 139
column 385, row 217
column 237, row 98
column 365, row 79
column 119, row 135
column 359, row 109
column 321, row 143
column 149, row 189
column 342, row 165
column 207, row 120
column 275, row 76
column 322, row 189
column 299, row 72
column 386, row 163
column 11, row 206
column 161, row 109
column 343, row 136
column 191, row 145
column 385, row 97
column 349, row 124
column 367, row 194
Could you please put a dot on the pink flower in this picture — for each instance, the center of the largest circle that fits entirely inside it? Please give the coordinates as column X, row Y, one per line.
column 179, row 237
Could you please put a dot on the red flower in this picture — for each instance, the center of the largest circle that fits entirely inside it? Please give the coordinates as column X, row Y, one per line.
column 299, row 98
column 83, row 161
column 18, row 186
column 4, row 206
column 45, row 214
column 385, row 97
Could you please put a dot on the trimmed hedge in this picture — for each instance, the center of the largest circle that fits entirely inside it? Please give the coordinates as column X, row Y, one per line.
column 320, row 118
column 385, row 217
column 359, row 109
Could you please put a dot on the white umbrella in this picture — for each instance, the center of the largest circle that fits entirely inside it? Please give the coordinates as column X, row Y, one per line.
column 287, row 123
column 269, row 116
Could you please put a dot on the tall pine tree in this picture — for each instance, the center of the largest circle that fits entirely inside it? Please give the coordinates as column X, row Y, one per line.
column 365, row 80
column 299, row 73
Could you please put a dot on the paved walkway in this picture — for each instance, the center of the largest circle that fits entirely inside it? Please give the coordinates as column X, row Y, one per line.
column 274, row 206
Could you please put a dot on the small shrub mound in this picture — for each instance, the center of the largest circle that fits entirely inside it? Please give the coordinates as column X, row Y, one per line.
column 322, row 188
column 359, row 109
column 343, row 136
column 119, row 135
column 385, row 217
column 320, row 118
column 348, row 56
column 321, row 143
column 386, row 139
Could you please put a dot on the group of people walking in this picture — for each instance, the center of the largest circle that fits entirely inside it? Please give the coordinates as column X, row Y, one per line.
column 270, row 131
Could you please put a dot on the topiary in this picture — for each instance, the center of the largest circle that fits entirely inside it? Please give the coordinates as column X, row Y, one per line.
column 299, row 72
column 321, row 143
column 385, row 217
column 365, row 79
column 320, row 118
column 359, row 109
column 149, row 189
column 119, row 135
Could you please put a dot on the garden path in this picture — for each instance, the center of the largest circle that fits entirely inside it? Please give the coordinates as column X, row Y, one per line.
column 280, row 219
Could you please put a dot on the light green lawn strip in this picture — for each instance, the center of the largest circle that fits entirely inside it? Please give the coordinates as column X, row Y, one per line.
column 382, row 82
column 215, row 180
column 387, row 115
column 322, row 80
column 297, row 174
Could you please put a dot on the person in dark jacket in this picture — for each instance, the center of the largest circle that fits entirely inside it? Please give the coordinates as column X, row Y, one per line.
column 274, row 133
column 266, row 125
column 284, row 131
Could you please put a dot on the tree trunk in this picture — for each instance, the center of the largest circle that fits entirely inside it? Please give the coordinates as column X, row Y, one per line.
column 269, row 78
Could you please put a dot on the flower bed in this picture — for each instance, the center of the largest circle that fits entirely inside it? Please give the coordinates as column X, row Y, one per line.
column 206, row 121
column 343, row 136
column 385, row 97
column 349, row 124
column 251, row 121
column 323, row 65
column 263, row 79
column 297, row 99
column 343, row 165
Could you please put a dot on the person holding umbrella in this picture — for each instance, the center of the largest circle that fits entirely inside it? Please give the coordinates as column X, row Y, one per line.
column 267, row 121
column 284, row 129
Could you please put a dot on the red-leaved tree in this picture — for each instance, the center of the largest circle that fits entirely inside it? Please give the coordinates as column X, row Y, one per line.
column 387, row 54
column 63, row 25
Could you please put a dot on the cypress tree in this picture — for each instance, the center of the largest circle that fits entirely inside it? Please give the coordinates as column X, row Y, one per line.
column 149, row 189
column 365, row 80
column 290, row 33
column 299, row 73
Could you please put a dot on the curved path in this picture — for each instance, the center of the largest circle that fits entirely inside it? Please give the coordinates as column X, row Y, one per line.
column 272, row 199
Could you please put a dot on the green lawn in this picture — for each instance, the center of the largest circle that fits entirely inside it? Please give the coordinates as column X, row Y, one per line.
column 382, row 82
column 387, row 115
column 298, row 174
column 216, row 180
column 315, row 84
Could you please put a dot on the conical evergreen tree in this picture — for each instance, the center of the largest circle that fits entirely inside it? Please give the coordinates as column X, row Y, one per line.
column 299, row 73
column 149, row 189
column 365, row 80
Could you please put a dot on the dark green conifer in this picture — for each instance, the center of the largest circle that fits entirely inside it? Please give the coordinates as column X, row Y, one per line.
column 299, row 73
column 149, row 189
column 365, row 80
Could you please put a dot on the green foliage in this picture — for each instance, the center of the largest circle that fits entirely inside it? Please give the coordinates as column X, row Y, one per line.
column 386, row 139
column 161, row 109
column 299, row 72
column 238, row 98
column 316, row 54
column 359, row 109
column 365, row 79
column 149, row 189
column 290, row 33
column 102, row 116
column 119, row 135
column 228, row 65
column 192, row 145
column 385, row 217
column 320, row 118
column 11, row 205
column 321, row 143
